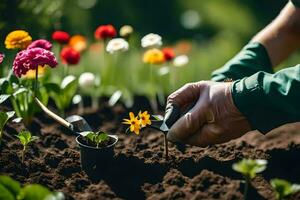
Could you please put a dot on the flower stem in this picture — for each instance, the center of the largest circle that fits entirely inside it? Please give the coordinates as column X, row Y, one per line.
column 247, row 181
column 166, row 147
column 36, row 81
column 23, row 154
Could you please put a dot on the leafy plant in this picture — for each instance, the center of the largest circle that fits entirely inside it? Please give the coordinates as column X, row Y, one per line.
column 21, row 96
column 4, row 117
column 12, row 190
column 25, row 138
column 63, row 93
column 96, row 138
column 284, row 188
column 249, row 169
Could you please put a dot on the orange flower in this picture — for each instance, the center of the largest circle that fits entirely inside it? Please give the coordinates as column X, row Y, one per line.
column 134, row 123
column 144, row 118
column 153, row 56
column 78, row 42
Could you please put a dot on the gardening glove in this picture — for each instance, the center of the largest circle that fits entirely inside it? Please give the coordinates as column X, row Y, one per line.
column 213, row 119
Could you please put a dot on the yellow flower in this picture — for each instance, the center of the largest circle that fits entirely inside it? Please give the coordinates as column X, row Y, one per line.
column 153, row 56
column 144, row 118
column 31, row 73
column 134, row 123
column 18, row 39
column 78, row 42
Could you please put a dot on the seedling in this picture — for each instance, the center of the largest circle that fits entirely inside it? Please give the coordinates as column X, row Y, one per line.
column 4, row 117
column 25, row 138
column 249, row 169
column 96, row 138
column 284, row 188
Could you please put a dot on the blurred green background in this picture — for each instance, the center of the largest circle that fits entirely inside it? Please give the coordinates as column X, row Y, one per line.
column 215, row 29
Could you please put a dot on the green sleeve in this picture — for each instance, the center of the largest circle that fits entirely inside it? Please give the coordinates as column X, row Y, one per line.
column 296, row 2
column 269, row 100
column 251, row 59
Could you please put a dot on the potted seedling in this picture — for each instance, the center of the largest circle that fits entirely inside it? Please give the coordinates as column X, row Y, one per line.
column 249, row 169
column 96, row 152
column 25, row 138
column 4, row 117
column 284, row 188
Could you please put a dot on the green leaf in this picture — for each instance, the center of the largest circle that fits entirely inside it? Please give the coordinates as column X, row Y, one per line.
column 158, row 117
column 101, row 137
column 25, row 137
column 20, row 91
column 5, row 194
column 249, row 167
column 4, row 117
column 34, row 192
column 284, row 188
column 11, row 185
column 4, row 97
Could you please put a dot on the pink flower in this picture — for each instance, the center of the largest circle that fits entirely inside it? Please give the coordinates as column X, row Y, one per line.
column 31, row 59
column 1, row 57
column 45, row 44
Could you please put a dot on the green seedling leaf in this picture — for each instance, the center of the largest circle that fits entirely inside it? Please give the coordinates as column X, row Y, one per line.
column 4, row 97
column 284, row 188
column 96, row 138
column 11, row 185
column 249, row 168
column 4, row 117
column 34, row 192
column 25, row 137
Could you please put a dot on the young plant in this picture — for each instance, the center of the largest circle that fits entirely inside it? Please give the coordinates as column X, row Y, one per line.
column 20, row 94
column 25, row 138
column 284, row 188
column 4, row 117
column 249, row 169
column 96, row 138
column 63, row 93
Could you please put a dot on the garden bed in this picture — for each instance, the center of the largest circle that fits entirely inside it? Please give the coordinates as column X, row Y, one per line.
column 140, row 170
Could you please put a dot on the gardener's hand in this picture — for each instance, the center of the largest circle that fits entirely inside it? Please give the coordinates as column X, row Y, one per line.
column 214, row 118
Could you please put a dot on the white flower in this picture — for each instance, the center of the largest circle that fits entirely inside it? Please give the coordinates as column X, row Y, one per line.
column 117, row 44
column 151, row 40
column 76, row 99
column 86, row 79
column 180, row 61
column 67, row 80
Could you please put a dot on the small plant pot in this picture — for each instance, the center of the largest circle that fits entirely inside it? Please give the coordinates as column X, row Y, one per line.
column 97, row 162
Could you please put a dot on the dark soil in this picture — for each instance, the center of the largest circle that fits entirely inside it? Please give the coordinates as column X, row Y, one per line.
column 140, row 170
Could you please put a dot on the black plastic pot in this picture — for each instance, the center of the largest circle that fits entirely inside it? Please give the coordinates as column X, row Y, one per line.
column 97, row 162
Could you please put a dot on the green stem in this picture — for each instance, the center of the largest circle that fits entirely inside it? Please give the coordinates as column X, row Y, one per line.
column 247, row 182
column 36, row 81
column 23, row 154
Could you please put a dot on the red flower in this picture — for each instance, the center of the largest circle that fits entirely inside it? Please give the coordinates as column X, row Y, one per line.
column 69, row 56
column 105, row 31
column 168, row 53
column 61, row 37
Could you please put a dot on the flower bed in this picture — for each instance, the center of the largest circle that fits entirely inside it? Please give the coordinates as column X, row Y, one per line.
column 140, row 170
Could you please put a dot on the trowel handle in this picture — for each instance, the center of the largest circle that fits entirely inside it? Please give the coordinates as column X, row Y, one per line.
column 53, row 115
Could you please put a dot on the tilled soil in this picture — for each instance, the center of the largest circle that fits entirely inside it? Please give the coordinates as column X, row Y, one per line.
column 140, row 170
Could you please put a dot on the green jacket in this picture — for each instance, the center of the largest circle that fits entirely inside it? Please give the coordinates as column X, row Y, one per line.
column 267, row 99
